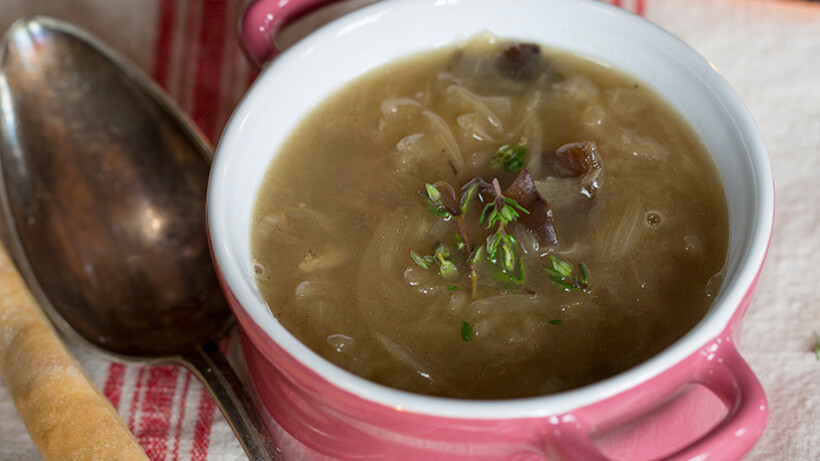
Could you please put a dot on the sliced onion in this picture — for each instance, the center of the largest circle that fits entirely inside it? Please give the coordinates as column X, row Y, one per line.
column 495, row 108
column 391, row 105
column 578, row 87
column 442, row 132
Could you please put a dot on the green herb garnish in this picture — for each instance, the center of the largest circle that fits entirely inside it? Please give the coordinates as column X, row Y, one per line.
column 562, row 275
column 453, row 288
column 423, row 261
column 503, row 210
column 555, row 322
column 816, row 349
column 441, row 258
column 435, row 195
column 470, row 193
column 434, row 198
column 466, row 331
column 446, row 267
column 502, row 249
column 508, row 157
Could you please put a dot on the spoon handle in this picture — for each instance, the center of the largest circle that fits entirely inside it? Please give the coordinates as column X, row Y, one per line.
column 213, row 369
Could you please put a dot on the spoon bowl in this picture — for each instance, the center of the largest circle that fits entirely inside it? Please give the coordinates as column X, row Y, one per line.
column 107, row 188
column 103, row 194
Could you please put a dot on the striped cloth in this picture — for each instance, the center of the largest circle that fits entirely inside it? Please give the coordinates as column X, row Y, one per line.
column 189, row 48
column 198, row 61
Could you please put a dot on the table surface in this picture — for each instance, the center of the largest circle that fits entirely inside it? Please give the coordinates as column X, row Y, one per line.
column 768, row 50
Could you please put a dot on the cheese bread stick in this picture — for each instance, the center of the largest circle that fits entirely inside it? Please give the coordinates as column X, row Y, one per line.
column 67, row 417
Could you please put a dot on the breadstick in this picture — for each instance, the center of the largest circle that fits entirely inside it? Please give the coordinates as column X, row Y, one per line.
column 67, row 417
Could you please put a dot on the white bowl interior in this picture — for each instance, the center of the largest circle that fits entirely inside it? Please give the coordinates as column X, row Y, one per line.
column 304, row 75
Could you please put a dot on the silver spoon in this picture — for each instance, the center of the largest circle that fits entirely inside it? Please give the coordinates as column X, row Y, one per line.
column 103, row 193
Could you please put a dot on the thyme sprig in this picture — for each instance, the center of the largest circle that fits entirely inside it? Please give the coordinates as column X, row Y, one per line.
column 500, row 248
column 435, row 194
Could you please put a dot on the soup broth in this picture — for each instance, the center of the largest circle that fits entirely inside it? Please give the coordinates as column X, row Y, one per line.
column 492, row 220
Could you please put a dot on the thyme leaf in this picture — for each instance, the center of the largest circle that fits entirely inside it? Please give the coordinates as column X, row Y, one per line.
column 584, row 273
column 446, row 267
column 508, row 157
column 424, row 261
column 441, row 258
column 466, row 331
column 432, row 195
column 460, row 244
column 468, row 196
column 562, row 275
column 816, row 348
column 562, row 267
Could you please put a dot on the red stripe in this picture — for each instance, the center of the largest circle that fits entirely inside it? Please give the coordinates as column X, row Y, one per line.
column 202, row 429
column 640, row 7
column 190, row 56
column 231, row 65
column 209, row 69
column 135, row 399
column 112, row 388
column 616, row 2
column 181, row 418
column 156, row 410
column 165, row 36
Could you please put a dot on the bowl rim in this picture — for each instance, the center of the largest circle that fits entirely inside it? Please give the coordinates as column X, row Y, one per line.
column 718, row 319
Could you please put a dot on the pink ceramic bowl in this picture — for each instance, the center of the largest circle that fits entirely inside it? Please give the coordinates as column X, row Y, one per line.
column 697, row 399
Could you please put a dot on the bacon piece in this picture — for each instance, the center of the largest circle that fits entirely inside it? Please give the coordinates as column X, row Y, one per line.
column 519, row 62
column 576, row 160
column 539, row 220
column 573, row 159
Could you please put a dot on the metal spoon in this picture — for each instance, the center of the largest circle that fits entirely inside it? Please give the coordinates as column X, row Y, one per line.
column 103, row 193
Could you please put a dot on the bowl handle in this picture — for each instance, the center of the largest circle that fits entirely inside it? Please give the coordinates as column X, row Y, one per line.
column 263, row 19
column 722, row 370
column 729, row 377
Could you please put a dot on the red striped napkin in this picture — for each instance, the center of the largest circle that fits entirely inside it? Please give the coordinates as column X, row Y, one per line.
column 189, row 47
